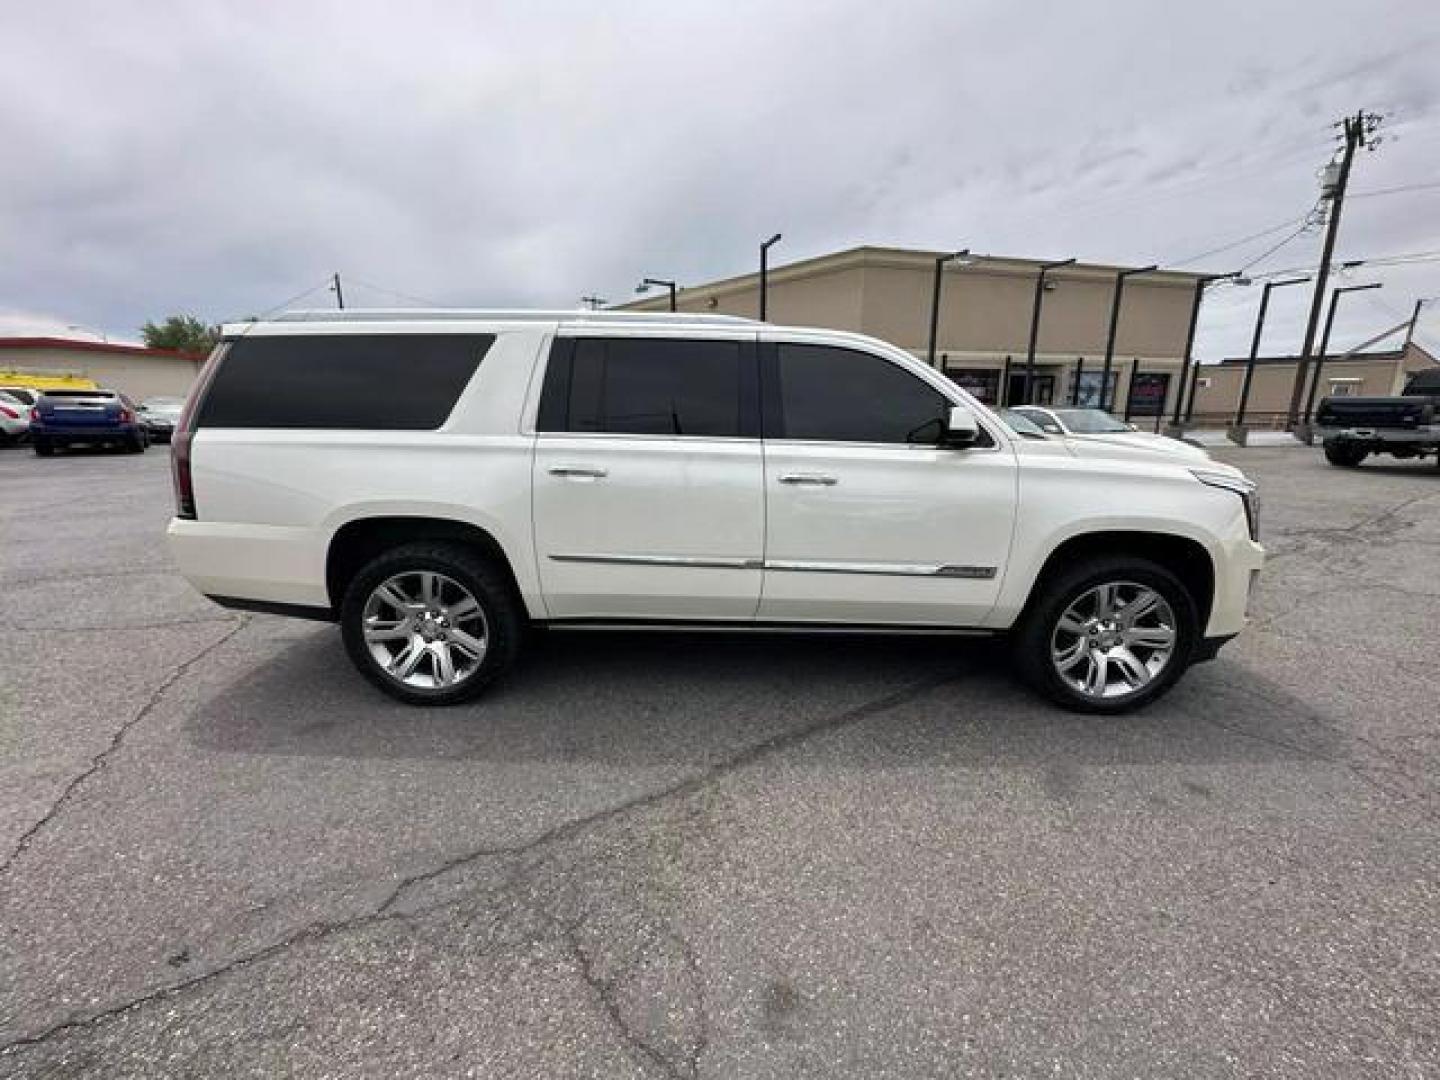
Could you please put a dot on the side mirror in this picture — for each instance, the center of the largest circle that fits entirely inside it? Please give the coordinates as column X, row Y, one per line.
column 961, row 427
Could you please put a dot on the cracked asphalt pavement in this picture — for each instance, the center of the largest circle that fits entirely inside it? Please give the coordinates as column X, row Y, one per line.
column 224, row 854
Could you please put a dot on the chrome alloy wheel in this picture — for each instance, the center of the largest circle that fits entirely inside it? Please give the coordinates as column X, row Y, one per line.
column 1113, row 640
column 425, row 630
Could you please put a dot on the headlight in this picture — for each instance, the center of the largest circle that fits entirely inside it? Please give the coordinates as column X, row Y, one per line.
column 1246, row 489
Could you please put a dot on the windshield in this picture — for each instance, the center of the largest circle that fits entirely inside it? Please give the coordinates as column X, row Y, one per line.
column 1021, row 424
column 1090, row 421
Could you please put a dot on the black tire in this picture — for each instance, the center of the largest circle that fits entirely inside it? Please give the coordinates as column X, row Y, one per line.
column 487, row 583
column 1033, row 635
column 43, row 448
column 1344, row 453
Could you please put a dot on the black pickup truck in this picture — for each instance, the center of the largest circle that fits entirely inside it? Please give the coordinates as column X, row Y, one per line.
column 1408, row 426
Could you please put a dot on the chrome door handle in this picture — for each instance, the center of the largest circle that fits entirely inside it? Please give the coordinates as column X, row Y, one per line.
column 808, row 478
column 591, row 472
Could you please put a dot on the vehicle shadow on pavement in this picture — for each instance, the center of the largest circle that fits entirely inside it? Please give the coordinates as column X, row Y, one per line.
column 638, row 699
column 1412, row 469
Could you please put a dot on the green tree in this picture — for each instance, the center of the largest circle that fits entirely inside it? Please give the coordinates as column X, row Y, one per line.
column 183, row 332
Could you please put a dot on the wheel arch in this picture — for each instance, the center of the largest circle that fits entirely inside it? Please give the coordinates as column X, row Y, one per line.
column 357, row 541
column 1183, row 556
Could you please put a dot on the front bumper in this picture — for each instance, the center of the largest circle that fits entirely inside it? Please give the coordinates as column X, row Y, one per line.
column 1236, row 575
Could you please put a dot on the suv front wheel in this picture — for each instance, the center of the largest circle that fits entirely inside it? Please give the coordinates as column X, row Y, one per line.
column 430, row 623
column 1107, row 635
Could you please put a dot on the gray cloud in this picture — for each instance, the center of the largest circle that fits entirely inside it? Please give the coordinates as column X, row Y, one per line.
column 221, row 157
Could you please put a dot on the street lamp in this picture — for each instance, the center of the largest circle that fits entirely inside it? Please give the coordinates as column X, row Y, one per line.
column 1255, row 345
column 765, row 273
column 1202, row 282
column 1120, row 277
column 960, row 258
column 1045, row 268
column 1325, row 340
column 645, row 284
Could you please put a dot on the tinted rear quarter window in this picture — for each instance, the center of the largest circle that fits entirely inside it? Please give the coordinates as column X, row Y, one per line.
column 407, row 382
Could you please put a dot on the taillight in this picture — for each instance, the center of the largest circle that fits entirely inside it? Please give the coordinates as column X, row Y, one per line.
column 126, row 416
column 34, row 416
column 184, row 435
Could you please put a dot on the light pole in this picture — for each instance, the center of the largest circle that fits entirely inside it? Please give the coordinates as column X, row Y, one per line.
column 645, row 284
column 765, row 275
column 1045, row 268
column 1202, row 282
column 1238, row 428
column 960, row 257
column 1120, row 277
column 1325, row 341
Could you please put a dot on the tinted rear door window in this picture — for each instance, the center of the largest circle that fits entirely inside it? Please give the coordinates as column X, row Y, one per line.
column 839, row 395
column 405, row 382
column 649, row 386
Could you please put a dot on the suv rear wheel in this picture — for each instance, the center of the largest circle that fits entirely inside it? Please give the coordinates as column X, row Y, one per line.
column 430, row 623
column 1107, row 635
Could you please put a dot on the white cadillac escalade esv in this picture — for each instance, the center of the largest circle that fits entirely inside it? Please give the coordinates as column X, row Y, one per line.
column 437, row 482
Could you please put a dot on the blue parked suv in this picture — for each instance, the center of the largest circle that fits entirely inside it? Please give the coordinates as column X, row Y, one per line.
column 64, row 418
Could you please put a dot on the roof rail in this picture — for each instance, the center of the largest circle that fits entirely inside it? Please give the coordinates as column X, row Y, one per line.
column 363, row 315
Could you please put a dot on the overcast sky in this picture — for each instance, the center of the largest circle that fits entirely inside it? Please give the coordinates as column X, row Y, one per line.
column 219, row 158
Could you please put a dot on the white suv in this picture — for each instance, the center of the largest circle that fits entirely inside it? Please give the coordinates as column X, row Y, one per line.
column 437, row 482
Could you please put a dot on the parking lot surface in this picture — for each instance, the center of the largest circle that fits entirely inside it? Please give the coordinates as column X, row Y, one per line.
column 224, row 853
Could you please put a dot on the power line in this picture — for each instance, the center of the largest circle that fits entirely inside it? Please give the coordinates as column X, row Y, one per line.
column 1304, row 226
column 396, row 293
column 298, row 296
column 1287, row 223
column 1395, row 190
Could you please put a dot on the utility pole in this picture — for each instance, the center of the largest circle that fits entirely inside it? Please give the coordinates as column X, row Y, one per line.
column 335, row 286
column 940, row 260
column 1115, row 295
column 1358, row 130
column 1045, row 268
column 765, row 274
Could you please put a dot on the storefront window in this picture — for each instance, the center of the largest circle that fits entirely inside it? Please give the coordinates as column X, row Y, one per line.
column 1089, row 395
column 984, row 383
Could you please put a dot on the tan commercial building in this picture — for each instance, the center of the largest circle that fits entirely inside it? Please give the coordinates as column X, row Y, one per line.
column 134, row 370
column 985, row 316
column 1371, row 374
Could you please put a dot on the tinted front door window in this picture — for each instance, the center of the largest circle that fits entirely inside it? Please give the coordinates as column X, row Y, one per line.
column 839, row 395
